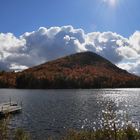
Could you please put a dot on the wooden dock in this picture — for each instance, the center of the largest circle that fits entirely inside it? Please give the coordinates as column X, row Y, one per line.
column 9, row 108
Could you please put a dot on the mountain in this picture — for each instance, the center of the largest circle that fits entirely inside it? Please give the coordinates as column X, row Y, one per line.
column 81, row 70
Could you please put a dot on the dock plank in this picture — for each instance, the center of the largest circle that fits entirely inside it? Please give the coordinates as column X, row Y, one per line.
column 8, row 108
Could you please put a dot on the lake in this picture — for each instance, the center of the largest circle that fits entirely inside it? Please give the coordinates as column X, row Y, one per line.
column 52, row 112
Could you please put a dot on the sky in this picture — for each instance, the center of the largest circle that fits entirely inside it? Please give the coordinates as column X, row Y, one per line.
column 19, row 16
column 35, row 31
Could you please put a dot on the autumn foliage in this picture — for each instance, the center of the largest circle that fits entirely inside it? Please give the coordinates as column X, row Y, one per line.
column 81, row 70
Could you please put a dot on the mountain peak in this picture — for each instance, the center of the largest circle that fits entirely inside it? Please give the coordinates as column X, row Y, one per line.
column 81, row 59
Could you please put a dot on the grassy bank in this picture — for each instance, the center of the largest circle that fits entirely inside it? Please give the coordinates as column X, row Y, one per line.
column 9, row 134
column 128, row 133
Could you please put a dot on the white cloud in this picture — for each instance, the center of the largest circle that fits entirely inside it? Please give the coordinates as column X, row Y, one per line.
column 134, row 41
column 107, row 44
column 132, row 67
column 33, row 48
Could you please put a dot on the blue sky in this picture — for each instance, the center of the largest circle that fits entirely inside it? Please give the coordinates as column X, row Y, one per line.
column 19, row 16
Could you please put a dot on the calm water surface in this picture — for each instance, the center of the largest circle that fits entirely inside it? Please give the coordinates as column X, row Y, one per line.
column 51, row 112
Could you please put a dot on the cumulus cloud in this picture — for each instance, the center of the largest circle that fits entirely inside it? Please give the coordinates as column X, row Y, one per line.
column 132, row 67
column 33, row 48
column 107, row 44
column 134, row 41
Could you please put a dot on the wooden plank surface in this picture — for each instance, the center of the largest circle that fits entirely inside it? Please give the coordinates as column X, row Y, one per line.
column 9, row 108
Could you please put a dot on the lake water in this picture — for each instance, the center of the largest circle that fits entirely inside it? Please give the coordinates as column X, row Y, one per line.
column 51, row 112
